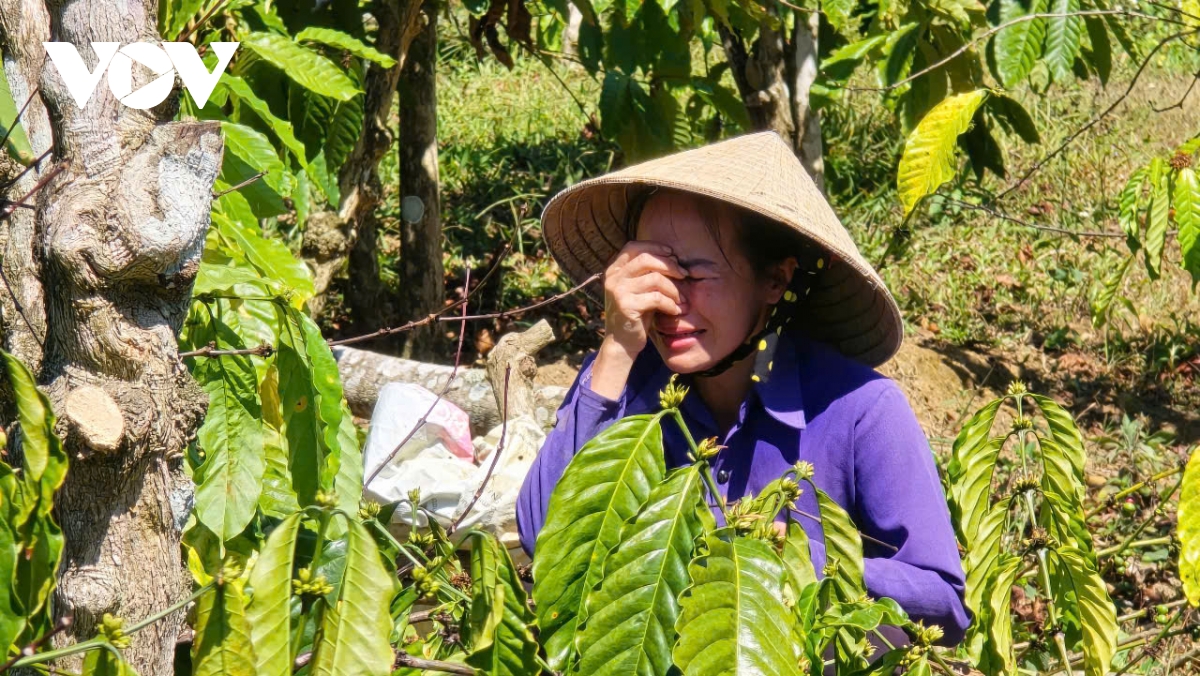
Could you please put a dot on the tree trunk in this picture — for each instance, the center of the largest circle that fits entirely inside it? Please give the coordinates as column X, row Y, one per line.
column 352, row 232
column 422, row 286
column 115, row 249
column 774, row 77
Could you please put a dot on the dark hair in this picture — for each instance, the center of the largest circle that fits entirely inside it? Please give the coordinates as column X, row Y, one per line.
column 763, row 241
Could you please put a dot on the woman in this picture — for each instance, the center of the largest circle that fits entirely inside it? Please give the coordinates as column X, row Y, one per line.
column 726, row 265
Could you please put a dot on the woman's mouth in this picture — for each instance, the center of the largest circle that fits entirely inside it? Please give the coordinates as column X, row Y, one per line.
column 680, row 340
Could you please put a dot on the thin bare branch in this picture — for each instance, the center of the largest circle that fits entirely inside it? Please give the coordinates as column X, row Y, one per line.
column 239, row 186
column 1044, row 228
column 449, row 381
column 7, row 208
column 210, row 350
column 1095, row 120
column 432, row 316
column 495, row 456
column 1179, row 104
column 204, row 19
column 512, row 313
column 403, row 659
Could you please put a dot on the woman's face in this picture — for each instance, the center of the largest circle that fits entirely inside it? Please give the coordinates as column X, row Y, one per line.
column 722, row 299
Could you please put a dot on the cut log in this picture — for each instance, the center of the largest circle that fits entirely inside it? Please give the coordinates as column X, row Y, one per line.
column 364, row 372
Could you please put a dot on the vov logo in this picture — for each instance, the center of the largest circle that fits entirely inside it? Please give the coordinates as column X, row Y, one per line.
column 118, row 62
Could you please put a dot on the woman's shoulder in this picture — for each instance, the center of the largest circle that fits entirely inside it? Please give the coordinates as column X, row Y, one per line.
column 828, row 377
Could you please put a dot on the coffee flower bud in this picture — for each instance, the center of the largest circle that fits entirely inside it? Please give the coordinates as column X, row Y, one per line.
column 708, row 448
column 326, row 500
column 368, row 509
column 414, row 496
column 111, row 629
column 1016, row 388
column 790, row 489
column 804, row 470
column 672, row 395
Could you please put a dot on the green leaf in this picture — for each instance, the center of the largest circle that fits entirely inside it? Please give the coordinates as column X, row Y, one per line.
column 12, row 619
column 1063, row 35
column 1130, row 202
column 345, row 128
column 304, row 66
column 106, row 661
column 1094, row 608
column 268, row 613
column 840, row 65
column 837, row 12
column 31, row 517
column 40, row 447
column 1100, row 56
column 604, row 486
column 1187, row 217
column 1065, row 433
column 270, row 257
column 18, row 142
column 1189, row 530
column 1018, row 47
column 630, row 627
column 1013, row 116
column 353, row 636
column 327, row 36
column 501, row 641
column 222, row 644
column 928, row 159
column 174, row 16
column 282, row 128
column 997, row 617
column 230, row 480
column 1108, row 292
column 256, row 151
column 796, row 557
column 899, row 50
column 843, row 545
column 733, row 620
column 1160, row 210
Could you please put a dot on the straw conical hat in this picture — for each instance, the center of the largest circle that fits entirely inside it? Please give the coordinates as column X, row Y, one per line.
column 850, row 309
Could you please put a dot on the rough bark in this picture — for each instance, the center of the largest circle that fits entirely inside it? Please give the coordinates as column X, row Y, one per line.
column 774, row 77
column 116, row 246
column 422, row 286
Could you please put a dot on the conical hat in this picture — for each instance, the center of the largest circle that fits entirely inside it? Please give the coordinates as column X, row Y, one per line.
column 850, row 308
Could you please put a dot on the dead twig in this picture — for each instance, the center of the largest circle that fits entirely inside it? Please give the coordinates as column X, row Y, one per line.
column 239, row 186
column 1095, row 120
column 449, row 381
column 1044, row 228
column 204, row 19
column 434, row 316
column 403, row 659
column 210, row 350
column 512, row 313
column 495, row 457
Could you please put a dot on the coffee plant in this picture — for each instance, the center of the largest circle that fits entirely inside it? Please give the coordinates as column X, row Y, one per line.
column 633, row 573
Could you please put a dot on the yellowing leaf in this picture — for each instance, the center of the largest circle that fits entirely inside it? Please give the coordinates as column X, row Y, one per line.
column 1189, row 530
column 928, row 159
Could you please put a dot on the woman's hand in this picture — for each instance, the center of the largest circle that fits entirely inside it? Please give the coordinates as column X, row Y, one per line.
column 640, row 282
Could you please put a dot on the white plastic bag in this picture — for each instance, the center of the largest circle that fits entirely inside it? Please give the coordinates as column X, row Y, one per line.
column 437, row 459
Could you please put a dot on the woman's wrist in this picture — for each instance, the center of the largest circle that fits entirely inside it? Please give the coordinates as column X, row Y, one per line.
column 611, row 369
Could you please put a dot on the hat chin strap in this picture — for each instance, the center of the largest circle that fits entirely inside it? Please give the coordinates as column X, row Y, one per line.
column 763, row 343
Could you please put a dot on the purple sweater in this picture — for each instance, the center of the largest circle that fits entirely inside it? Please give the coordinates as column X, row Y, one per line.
column 853, row 424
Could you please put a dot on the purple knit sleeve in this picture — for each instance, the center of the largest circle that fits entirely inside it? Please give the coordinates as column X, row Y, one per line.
column 899, row 500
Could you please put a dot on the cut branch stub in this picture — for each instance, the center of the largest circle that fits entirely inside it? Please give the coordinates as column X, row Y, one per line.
column 516, row 351
column 95, row 418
